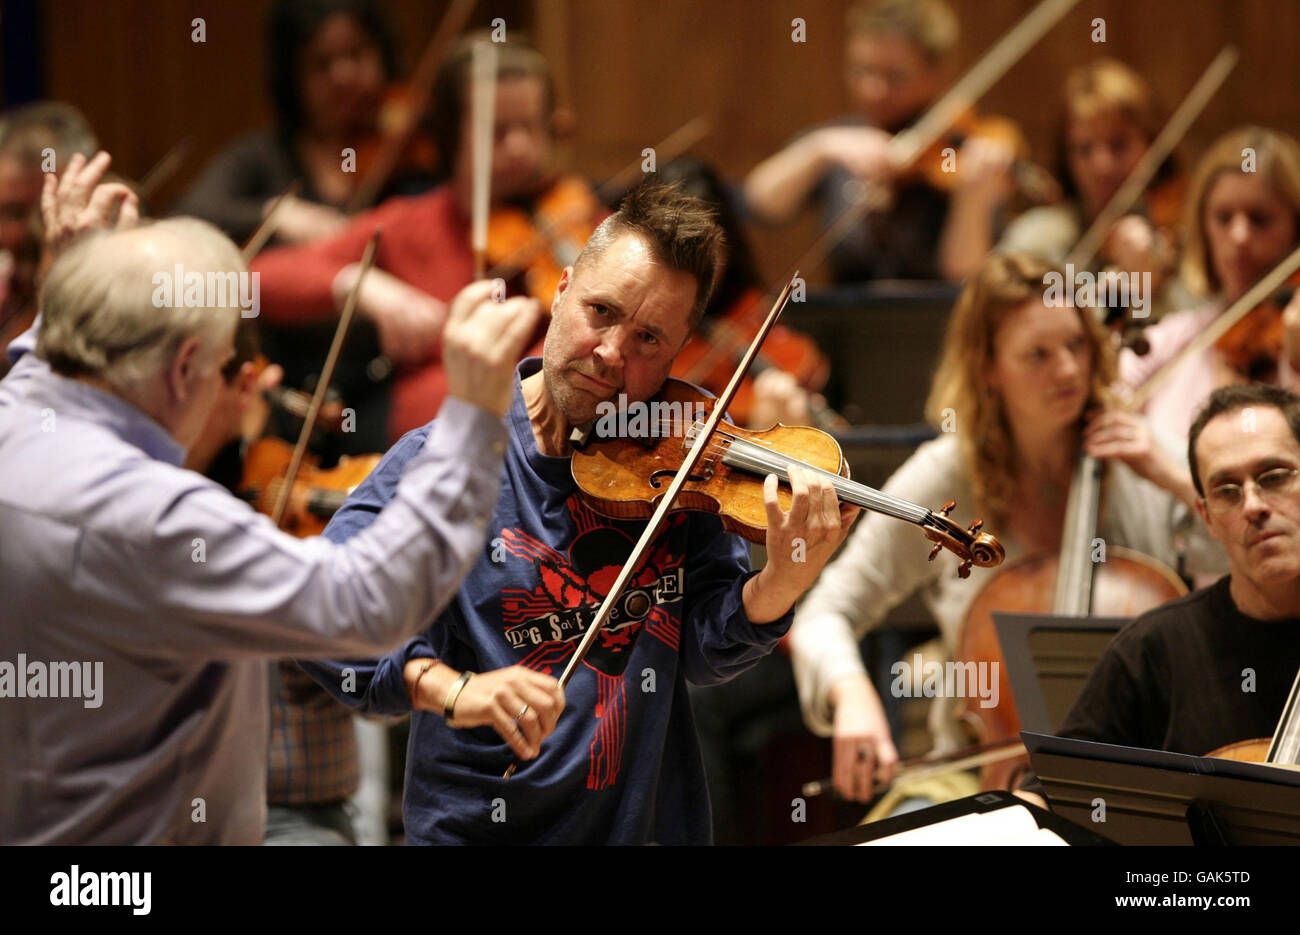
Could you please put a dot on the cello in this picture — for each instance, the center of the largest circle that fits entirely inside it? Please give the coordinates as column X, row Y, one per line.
column 1068, row 583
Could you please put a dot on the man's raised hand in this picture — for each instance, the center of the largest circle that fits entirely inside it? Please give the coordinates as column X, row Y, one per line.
column 482, row 341
column 77, row 200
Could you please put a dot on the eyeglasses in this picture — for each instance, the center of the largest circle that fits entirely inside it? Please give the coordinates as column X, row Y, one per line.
column 1272, row 483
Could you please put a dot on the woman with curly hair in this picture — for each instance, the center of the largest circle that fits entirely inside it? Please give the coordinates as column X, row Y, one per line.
column 1021, row 388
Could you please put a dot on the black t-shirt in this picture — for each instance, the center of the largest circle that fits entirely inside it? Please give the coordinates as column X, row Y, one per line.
column 1189, row 677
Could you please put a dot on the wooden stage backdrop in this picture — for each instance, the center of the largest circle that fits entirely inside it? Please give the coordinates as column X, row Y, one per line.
column 637, row 70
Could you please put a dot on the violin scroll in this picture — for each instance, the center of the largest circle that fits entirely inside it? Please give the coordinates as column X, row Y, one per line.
column 970, row 545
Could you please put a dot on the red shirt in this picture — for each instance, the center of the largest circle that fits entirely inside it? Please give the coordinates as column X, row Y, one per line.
column 425, row 243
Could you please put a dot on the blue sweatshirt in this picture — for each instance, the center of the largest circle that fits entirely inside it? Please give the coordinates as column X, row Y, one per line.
column 623, row 765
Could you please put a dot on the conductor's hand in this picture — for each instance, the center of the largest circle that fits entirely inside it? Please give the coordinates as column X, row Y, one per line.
column 482, row 342
column 78, row 200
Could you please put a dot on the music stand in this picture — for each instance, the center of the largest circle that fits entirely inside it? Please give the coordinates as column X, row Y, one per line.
column 1073, row 833
column 1048, row 660
column 1155, row 797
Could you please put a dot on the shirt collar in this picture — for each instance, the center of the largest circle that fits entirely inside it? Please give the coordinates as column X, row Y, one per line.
column 72, row 399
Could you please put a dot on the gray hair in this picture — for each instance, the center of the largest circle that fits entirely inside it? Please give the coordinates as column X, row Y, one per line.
column 99, row 316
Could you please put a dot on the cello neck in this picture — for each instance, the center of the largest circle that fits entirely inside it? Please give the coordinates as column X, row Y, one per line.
column 1075, row 566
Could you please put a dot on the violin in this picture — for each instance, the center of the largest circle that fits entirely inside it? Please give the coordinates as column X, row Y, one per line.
column 711, row 353
column 1252, row 346
column 398, row 147
column 539, row 239
column 316, row 494
column 1255, row 344
column 399, row 144
column 936, row 168
column 625, row 478
column 1282, row 749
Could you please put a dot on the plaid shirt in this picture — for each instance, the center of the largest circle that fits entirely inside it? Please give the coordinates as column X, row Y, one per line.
column 312, row 754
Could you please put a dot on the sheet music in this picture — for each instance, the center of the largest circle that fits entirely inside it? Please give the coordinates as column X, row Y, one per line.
column 1012, row 826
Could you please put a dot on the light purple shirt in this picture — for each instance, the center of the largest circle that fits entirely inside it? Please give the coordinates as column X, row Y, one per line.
column 114, row 557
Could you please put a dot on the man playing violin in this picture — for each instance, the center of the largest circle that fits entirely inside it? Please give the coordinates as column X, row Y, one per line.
column 898, row 56
column 1215, row 667
column 623, row 764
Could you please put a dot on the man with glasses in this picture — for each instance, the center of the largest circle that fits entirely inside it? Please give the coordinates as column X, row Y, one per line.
column 1216, row 666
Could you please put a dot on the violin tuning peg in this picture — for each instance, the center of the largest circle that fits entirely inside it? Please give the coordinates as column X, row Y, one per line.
column 963, row 570
column 948, row 508
column 975, row 526
column 934, row 552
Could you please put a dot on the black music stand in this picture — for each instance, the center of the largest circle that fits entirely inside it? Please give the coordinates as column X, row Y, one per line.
column 1073, row 833
column 1048, row 660
column 1154, row 797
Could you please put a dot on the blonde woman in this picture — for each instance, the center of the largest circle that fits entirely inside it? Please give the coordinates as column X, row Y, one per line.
column 1109, row 118
column 1016, row 378
column 1242, row 216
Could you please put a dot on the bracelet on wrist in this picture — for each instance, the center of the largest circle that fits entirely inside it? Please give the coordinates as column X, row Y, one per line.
column 449, row 706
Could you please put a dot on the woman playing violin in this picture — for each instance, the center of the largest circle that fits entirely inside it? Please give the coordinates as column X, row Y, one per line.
column 1109, row 120
column 1242, row 218
column 1017, row 384
column 328, row 64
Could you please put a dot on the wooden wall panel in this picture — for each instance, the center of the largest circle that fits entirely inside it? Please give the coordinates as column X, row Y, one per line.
column 638, row 69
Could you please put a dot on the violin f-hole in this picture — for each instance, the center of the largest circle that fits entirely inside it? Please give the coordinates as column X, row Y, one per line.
column 656, row 479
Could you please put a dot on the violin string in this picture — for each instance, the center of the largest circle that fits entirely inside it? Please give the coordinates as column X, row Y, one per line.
column 749, row 456
column 753, row 457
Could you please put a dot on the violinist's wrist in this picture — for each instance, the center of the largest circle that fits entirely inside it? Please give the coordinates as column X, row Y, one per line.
column 765, row 598
column 427, row 683
column 849, row 688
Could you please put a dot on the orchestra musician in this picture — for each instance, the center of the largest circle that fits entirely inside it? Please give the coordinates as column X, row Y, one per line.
column 1216, row 667
column 1242, row 216
column 1109, row 119
column 623, row 764
column 182, row 592
column 31, row 138
column 897, row 61
column 425, row 255
column 1021, row 386
column 328, row 63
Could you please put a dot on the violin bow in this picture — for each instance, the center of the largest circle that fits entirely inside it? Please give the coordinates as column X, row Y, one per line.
column 483, row 71
column 323, row 381
column 1235, row 312
column 426, row 70
column 164, row 169
column 656, row 521
column 926, row 767
column 907, row 146
column 1217, row 72
column 266, row 230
